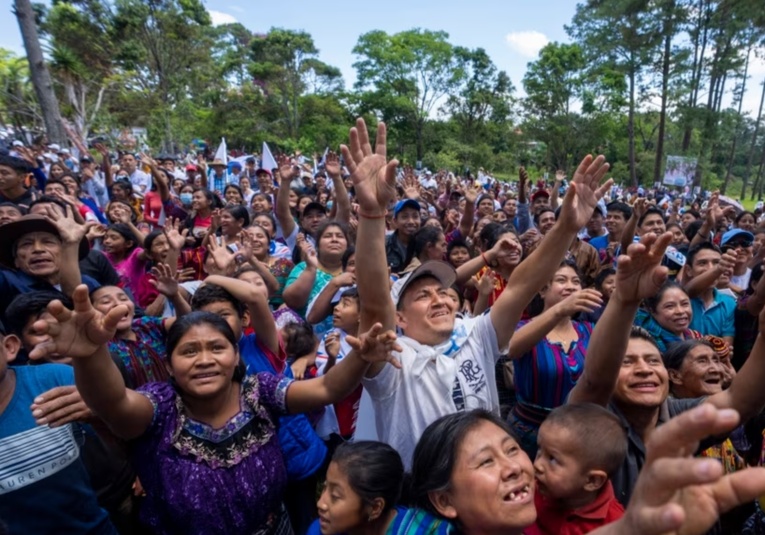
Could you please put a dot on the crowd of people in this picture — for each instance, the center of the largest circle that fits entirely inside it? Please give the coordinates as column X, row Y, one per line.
column 193, row 347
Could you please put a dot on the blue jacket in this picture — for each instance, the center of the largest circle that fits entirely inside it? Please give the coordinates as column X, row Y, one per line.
column 304, row 452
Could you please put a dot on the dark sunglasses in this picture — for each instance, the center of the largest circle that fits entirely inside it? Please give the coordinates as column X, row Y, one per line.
column 736, row 244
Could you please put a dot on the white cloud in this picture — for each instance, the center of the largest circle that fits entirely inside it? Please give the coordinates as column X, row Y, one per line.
column 218, row 18
column 527, row 43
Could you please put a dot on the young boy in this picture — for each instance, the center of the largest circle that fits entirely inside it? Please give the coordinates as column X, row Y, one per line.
column 579, row 446
column 340, row 419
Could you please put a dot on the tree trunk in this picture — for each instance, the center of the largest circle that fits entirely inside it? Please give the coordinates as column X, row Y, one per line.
column 631, row 129
column 750, row 158
column 664, row 95
column 732, row 155
column 38, row 72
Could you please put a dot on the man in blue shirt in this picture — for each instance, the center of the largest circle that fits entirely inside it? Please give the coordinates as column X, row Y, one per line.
column 713, row 312
column 41, row 466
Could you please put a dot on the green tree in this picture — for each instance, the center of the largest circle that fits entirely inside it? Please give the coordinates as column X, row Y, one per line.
column 17, row 101
column 286, row 64
column 619, row 36
column 404, row 77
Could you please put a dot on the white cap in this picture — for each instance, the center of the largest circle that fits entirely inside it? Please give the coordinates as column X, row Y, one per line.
column 17, row 143
column 437, row 269
column 64, row 151
column 54, row 147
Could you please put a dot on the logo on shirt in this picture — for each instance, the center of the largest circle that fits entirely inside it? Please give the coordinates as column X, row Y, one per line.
column 33, row 455
column 473, row 376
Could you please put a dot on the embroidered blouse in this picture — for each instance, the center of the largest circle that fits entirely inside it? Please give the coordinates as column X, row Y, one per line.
column 201, row 480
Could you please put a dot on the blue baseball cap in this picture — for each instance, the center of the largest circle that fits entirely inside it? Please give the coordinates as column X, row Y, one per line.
column 406, row 203
column 734, row 233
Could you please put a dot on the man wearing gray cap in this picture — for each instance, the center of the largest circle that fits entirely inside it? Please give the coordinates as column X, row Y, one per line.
column 447, row 365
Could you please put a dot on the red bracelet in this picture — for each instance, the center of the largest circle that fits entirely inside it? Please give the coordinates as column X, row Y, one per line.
column 370, row 216
column 485, row 260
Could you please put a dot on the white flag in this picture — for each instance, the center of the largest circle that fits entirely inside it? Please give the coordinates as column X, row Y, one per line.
column 222, row 152
column 267, row 159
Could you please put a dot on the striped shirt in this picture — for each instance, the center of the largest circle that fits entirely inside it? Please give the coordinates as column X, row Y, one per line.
column 545, row 375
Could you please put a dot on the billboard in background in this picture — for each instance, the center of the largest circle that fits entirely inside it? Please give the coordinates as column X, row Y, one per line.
column 679, row 171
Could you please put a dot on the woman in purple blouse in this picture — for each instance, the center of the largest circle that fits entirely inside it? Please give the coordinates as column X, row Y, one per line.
column 204, row 444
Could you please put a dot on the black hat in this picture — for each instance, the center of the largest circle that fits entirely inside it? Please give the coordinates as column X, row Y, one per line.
column 14, row 163
column 29, row 223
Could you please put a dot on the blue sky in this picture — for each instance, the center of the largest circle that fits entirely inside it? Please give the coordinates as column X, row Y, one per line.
column 511, row 31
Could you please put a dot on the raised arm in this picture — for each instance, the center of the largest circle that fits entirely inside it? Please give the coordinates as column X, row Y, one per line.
column 373, row 347
column 83, row 335
column 466, row 221
column 322, row 304
column 287, row 172
column 342, row 204
column 639, row 275
column 261, row 319
column 296, row 293
column 628, row 234
column 534, row 272
column 697, row 285
column 71, row 234
column 533, row 332
column 374, row 180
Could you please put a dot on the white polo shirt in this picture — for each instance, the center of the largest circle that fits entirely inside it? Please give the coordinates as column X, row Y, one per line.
column 435, row 381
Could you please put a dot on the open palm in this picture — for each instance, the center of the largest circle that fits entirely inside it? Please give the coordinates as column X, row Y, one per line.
column 374, row 177
column 672, row 494
column 639, row 273
column 77, row 333
column 585, row 192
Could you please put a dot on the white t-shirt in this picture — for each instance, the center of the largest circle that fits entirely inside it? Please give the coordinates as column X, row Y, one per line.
column 433, row 382
column 141, row 181
column 742, row 281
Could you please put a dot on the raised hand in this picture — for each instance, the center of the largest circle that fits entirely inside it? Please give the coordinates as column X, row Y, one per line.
column 176, row 238
column 148, row 160
column 471, row 193
column 584, row 193
column 411, row 185
column 376, row 346
column 728, row 261
column 77, row 333
column 95, row 230
column 165, row 280
column 287, row 169
column 684, row 495
column 27, row 155
column 344, row 280
column 639, row 208
column 307, row 251
column 639, row 273
column 332, row 345
column 60, row 406
column 505, row 247
column 374, row 178
column 586, row 300
column 223, row 259
column 71, row 231
column 560, row 175
column 487, row 283
column 102, row 150
column 332, row 164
